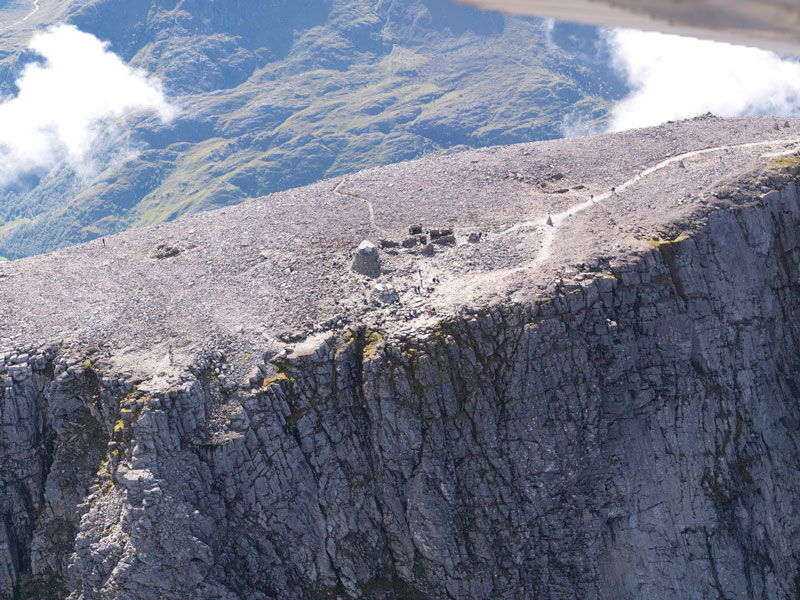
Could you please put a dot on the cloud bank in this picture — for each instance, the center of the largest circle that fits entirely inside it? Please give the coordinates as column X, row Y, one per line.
column 64, row 102
column 674, row 77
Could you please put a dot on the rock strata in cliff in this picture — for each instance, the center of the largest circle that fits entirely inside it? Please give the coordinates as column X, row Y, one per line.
column 602, row 406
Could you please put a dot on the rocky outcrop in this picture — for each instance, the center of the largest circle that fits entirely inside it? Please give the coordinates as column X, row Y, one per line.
column 631, row 435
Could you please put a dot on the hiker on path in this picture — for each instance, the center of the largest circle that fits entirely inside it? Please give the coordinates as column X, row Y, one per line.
column 613, row 191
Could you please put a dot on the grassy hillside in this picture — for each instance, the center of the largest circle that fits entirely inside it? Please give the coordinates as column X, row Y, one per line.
column 278, row 94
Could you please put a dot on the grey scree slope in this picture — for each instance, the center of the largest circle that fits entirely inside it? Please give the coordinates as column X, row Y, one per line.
column 604, row 407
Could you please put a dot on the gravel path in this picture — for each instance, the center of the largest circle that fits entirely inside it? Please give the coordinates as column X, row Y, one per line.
column 35, row 5
column 367, row 203
column 548, row 226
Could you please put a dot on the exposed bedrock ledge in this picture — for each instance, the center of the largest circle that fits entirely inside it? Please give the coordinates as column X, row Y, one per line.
column 632, row 437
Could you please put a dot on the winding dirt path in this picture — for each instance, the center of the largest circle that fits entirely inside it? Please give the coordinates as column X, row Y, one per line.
column 550, row 229
column 35, row 4
column 337, row 191
column 465, row 285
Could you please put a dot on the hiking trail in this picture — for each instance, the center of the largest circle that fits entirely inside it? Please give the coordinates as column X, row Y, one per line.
column 35, row 4
column 549, row 231
column 337, row 191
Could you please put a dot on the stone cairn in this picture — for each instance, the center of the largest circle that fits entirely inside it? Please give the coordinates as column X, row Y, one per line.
column 366, row 260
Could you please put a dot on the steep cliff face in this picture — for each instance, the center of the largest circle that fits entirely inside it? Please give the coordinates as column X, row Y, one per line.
column 633, row 435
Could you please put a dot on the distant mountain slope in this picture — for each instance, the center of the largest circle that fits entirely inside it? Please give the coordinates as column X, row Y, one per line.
column 279, row 94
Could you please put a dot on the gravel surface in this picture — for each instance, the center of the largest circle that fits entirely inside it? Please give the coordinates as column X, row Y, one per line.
column 273, row 270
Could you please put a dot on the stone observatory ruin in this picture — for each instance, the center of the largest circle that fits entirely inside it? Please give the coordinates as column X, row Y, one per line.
column 384, row 294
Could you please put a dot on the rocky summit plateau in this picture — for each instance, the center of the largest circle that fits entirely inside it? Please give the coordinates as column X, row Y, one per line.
column 561, row 369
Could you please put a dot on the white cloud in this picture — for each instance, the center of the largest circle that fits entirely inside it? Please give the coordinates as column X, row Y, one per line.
column 674, row 77
column 64, row 102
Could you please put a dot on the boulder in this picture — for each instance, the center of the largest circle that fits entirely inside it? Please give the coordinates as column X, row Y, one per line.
column 445, row 240
column 429, row 250
column 437, row 233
